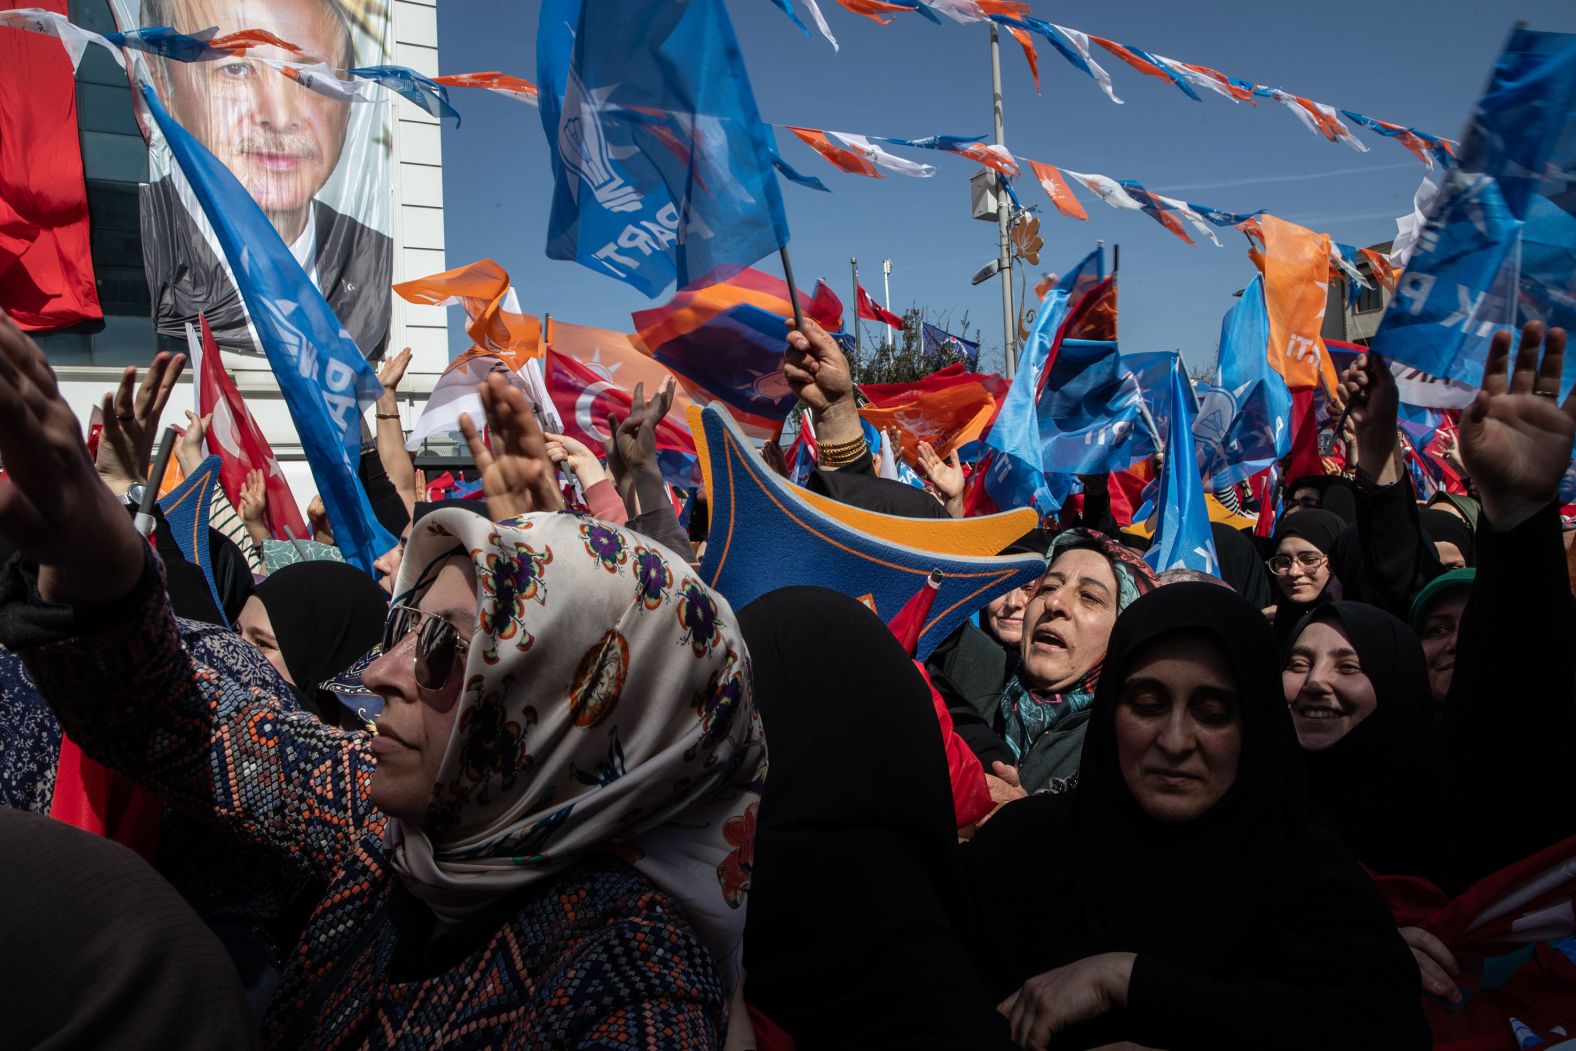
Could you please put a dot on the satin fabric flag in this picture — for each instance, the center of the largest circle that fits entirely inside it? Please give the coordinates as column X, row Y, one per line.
column 455, row 394
column 1497, row 249
column 877, row 10
column 1074, row 46
column 167, row 43
column 726, row 343
column 45, row 22
column 935, row 342
column 947, row 417
column 1426, row 148
column 585, row 397
column 1083, row 278
column 1296, row 266
column 995, row 157
column 1319, row 119
column 510, row 87
column 326, row 382
column 1193, row 218
column 238, row 441
column 873, row 311
column 1014, row 476
column 662, row 169
column 1094, row 314
column 46, row 260
column 242, row 41
column 483, row 290
column 844, row 159
column 1218, row 82
column 1244, row 417
column 325, row 80
column 876, row 155
column 1090, row 410
column 1108, row 190
column 1155, row 208
column 617, row 359
column 1182, row 538
column 1050, row 179
column 1026, row 42
column 1379, row 266
column 1149, row 65
column 431, row 97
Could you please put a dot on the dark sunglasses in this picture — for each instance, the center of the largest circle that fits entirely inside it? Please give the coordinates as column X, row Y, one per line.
column 438, row 643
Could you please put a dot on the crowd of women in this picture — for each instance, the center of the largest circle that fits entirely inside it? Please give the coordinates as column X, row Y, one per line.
column 513, row 791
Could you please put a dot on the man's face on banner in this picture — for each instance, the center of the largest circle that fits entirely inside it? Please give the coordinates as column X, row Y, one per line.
column 280, row 139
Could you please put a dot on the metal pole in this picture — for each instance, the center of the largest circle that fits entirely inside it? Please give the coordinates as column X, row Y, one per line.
column 886, row 283
column 1003, row 208
column 853, row 265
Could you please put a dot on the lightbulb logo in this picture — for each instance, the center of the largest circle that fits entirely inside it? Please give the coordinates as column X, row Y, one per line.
column 583, row 147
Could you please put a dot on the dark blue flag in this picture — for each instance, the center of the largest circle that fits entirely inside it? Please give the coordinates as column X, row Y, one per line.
column 662, row 168
column 935, row 343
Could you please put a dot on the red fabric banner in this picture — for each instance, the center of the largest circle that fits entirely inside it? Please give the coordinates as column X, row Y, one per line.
column 46, row 265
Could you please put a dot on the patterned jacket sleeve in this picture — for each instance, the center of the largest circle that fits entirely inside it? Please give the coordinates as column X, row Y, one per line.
column 197, row 715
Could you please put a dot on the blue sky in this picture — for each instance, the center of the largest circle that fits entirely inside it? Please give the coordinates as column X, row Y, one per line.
column 1412, row 62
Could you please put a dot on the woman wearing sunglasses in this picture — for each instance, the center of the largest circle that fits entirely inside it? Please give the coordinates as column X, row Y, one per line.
column 549, row 842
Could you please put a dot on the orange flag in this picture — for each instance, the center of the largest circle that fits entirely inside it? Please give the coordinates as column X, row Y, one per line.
column 848, row 160
column 482, row 288
column 247, row 39
column 502, row 83
column 618, row 358
column 1295, row 263
column 948, row 418
column 1027, row 43
column 874, row 9
column 1050, row 179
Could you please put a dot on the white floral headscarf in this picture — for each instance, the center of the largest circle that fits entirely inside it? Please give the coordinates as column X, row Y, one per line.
column 607, row 705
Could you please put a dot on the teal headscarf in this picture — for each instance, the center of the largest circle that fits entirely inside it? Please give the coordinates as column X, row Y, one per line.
column 1026, row 713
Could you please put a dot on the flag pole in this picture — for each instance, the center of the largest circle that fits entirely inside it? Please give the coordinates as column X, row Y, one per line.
column 1003, row 215
column 793, row 289
column 853, row 265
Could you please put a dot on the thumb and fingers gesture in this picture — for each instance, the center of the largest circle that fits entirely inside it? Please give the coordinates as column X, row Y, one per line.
column 517, row 477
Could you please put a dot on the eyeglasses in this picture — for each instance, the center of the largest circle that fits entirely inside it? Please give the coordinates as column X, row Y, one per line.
column 438, row 643
column 1281, row 565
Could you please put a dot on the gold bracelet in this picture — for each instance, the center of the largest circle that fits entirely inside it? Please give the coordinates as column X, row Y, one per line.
column 840, row 448
column 843, row 454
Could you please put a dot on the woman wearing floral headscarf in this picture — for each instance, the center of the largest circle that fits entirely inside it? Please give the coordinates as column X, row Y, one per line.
column 1089, row 579
column 548, row 844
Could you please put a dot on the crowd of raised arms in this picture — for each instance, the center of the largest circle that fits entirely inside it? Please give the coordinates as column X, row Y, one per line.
column 512, row 791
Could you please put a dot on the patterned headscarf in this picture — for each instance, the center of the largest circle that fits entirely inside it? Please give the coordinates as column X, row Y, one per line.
column 1028, row 713
column 607, row 706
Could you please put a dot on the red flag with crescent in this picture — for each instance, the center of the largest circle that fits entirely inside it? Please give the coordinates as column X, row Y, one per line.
column 239, row 443
column 586, row 395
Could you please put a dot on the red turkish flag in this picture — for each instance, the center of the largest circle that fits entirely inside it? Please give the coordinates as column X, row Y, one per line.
column 584, row 397
column 869, row 308
column 239, row 443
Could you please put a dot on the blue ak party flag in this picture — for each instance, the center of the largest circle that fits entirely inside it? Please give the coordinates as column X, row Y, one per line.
column 326, row 381
column 1244, row 418
column 1182, row 535
column 662, row 168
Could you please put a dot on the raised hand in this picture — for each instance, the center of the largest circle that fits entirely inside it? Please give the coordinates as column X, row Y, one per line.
column 317, row 521
column 516, row 475
column 1515, row 436
column 1370, row 392
column 636, row 437
column 254, row 505
column 393, row 370
column 189, row 451
column 131, row 421
column 53, row 506
column 945, row 475
column 816, row 367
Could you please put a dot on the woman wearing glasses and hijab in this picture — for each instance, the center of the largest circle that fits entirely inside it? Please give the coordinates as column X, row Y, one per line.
column 549, row 839
column 1306, row 567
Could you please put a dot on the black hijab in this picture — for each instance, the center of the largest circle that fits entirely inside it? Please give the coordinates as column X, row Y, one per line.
column 1217, row 879
column 325, row 615
column 1220, row 867
column 1443, row 526
column 1241, row 566
column 1369, row 787
column 1326, row 531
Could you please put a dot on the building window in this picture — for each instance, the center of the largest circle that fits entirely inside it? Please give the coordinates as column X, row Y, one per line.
column 1370, row 299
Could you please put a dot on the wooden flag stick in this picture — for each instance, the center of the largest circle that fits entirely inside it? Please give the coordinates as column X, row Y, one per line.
column 793, row 290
